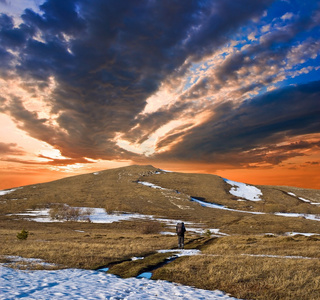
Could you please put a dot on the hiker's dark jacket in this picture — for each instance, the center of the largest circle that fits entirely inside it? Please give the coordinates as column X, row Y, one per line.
column 180, row 229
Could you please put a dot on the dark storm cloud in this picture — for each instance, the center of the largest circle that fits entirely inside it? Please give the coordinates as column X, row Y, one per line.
column 60, row 138
column 250, row 132
column 249, row 70
column 107, row 58
column 149, row 123
column 49, row 161
column 11, row 38
column 10, row 149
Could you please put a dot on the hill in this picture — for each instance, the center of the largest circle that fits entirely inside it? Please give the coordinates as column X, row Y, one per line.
column 248, row 240
column 151, row 191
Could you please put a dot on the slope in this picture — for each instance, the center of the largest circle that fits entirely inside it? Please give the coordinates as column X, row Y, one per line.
column 151, row 191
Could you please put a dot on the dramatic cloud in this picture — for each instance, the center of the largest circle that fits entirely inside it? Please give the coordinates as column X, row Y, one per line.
column 106, row 59
column 206, row 81
column 251, row 132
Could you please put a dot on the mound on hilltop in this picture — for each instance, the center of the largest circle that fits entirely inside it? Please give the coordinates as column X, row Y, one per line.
column 152, row 191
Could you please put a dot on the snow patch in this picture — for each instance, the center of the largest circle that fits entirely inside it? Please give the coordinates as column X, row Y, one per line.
column 245, row 191
column 99, row 215
column 149, row 184
column 301, row 233
column 5, row 192
column 250, row 192
column 298, row 215
column 219, row 206
column 181, row 252
column 278, row 256
column 136, row 258
column 303, row 199
column 87, row 284
column 21, row 262
column 167, row 233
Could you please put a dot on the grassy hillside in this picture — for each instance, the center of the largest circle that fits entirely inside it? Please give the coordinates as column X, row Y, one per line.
column 119, row 190
column 247, row 263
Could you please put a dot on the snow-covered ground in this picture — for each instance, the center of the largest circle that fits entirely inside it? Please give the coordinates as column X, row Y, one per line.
column 149, row 184
column 26, row 263
column 242, row 190
column 5, row 192
column 279, row 256
column 303, row 199
column 182, row 252
column 84, row 284
column 297, row 215
column 301, row 233
column 219, row 206
column 99, row 215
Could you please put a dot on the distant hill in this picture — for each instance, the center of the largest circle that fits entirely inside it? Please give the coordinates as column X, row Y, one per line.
column 203, row 198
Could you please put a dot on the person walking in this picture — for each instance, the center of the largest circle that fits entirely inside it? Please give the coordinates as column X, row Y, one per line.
column 180, row 229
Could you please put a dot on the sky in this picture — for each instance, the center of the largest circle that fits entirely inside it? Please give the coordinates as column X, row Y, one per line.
column 224, row 87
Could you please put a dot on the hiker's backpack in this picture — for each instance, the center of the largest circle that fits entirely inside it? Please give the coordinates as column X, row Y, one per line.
column 180, row 228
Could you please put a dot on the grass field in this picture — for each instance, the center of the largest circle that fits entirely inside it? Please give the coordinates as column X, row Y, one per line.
column 81, row 245
column 257, row 260
column 253, row 267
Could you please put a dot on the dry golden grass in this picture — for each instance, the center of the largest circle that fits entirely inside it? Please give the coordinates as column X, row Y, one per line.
column 82, row 245
column 134, row 268
column 227, row 264
column 118, row 190
column 248, row 277
column 299, row 245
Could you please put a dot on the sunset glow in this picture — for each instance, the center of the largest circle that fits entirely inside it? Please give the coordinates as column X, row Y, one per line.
column 230, row 88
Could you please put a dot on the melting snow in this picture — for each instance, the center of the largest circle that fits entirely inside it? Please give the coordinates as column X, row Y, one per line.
column 301, row 233
column 219, row 206
column 297, row 215
column 5, row 192
column 245, row 191
column 21, row 262
column 99, row 215
column 303, row 199
column 151, row 185
column 167, row 233
column 136, row 258
column 278, row 256
column 181, row 252
column 86, row 284
column 249, row 193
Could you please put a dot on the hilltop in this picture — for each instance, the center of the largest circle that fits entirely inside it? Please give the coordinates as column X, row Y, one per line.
column 152, row 191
